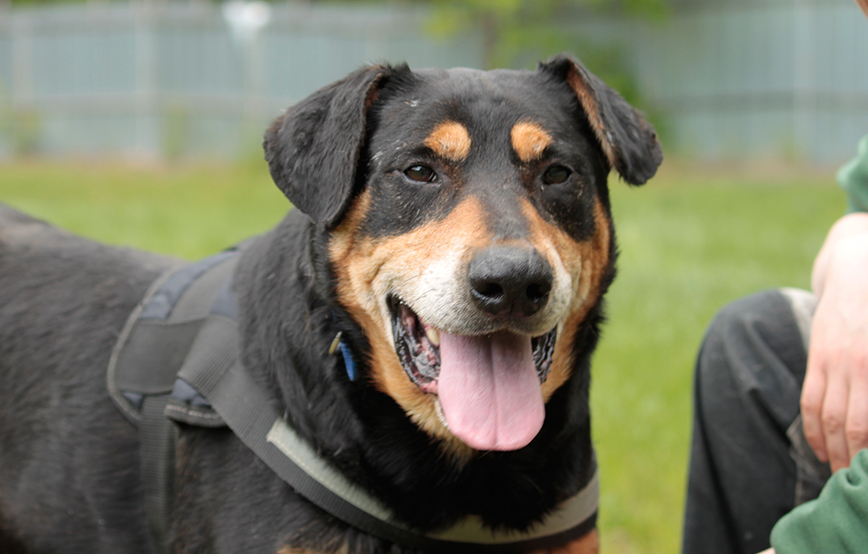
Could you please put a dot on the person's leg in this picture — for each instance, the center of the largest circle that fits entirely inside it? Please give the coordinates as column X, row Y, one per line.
column 811, row 473
column 743, row 470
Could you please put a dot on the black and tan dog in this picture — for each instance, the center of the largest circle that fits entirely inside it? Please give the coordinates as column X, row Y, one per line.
column 454, row 227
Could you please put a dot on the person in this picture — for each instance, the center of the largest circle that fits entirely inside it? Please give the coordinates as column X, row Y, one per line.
column 779, row 454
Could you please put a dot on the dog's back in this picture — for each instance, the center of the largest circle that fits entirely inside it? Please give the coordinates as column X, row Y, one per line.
column 63, row 301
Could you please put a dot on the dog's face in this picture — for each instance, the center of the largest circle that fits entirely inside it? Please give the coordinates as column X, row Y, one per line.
column 470, row 230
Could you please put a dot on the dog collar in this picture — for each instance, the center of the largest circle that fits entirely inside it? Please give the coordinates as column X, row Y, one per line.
column 193, row 310
column 574, row 517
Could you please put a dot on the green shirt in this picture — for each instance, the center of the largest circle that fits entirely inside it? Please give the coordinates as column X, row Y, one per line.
column 834, row 523
column 853, row 178
column 837, row 521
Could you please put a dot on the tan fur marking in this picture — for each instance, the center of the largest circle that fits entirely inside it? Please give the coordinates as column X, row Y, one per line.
column 586, row 99
column 529, row 140
column 586, row 263
column 450, row 140
column 363, row 264
column 589, row 544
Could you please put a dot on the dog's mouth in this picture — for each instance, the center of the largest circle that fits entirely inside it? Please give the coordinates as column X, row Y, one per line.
column 487, row 387
column 418, row 347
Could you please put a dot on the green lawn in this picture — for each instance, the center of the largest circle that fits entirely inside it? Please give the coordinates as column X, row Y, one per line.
column 689, row 244
column 187, row 211
column 690, row 241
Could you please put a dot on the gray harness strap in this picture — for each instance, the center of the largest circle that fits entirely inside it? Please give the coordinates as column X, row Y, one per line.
column 178, row 358
column 143, row 369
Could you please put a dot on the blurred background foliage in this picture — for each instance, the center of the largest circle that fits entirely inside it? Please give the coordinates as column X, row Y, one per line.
column 516, row 32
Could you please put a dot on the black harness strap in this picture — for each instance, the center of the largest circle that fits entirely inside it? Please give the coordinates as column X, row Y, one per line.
column 157, row 447
column 178, row 358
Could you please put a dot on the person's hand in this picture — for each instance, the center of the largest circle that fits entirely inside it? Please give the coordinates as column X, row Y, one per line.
column 769, row 551
column 835, row 391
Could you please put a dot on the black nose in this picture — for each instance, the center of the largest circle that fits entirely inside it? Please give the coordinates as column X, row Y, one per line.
column 507, row 280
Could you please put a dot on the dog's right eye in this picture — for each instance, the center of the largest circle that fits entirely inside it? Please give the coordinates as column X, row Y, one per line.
column 421, row 174
column 556, row 175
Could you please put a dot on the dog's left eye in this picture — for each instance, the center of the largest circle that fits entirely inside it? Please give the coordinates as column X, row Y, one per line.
column 421, row 174
column 556, row 174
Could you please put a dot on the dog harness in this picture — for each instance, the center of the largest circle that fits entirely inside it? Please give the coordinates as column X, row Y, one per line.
column 177, row 360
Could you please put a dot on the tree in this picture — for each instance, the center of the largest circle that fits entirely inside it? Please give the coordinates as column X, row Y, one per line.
column 516, row 29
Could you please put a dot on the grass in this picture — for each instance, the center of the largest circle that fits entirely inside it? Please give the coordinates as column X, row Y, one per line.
column 689, row 244
column 186, row 211
column 690, row 241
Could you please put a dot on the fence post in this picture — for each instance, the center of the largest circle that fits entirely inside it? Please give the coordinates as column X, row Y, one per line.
column 25, row 131
column 804, row 75
column 147, row 110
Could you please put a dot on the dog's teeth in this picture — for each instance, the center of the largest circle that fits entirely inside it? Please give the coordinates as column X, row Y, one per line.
column 438, row 408
column 433, row 335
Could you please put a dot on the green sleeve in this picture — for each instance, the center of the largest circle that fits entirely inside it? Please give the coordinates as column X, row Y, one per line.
column 834, row 523
column 853, row 178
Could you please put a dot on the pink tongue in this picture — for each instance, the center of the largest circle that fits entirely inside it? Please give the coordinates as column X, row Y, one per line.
column 490, row 390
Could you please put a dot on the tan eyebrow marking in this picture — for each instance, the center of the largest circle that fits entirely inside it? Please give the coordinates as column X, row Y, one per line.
column 449, row 140
column 529, row 140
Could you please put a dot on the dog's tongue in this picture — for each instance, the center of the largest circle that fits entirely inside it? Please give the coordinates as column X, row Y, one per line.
column 490, row 390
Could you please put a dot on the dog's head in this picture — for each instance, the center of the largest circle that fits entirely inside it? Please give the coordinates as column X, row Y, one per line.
column 469, row 228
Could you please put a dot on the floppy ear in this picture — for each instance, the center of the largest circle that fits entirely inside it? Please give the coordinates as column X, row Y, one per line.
column 313, row 149
column 628, row 141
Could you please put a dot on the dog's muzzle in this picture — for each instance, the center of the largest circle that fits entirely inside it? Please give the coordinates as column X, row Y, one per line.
column 487, row 382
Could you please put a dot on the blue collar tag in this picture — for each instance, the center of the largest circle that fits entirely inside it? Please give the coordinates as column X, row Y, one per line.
column 349, row 362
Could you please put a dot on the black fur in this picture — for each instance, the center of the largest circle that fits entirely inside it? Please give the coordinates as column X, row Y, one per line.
column 306, row 161
column 69, row 479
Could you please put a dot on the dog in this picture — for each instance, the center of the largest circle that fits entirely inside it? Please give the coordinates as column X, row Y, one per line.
column 423, row 320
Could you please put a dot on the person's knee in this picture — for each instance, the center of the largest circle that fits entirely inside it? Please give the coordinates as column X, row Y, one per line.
column 746, row 352
column 761, row 310
column 736, row 323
